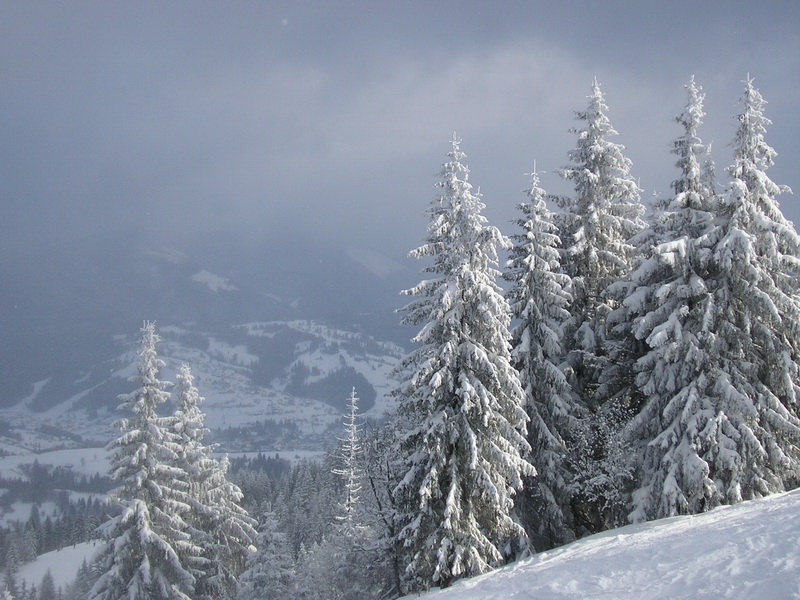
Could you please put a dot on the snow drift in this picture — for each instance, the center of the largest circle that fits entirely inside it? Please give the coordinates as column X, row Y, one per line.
column 748, row 551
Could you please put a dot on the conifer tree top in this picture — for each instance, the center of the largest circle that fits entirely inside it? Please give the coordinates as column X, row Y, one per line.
column 151, row 390
column 749, row 144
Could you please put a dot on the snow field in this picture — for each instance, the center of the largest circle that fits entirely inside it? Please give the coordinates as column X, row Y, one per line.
column 85, row 461
column 63, row 564
column 749, row 551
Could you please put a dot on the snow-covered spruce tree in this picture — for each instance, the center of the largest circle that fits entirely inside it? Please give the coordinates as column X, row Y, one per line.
column 345, row 564
column 269, row 574
column 47, row 589
column 596, row 227
column 219, row 525
column 751, row 206
column 308, row 505
column 80, row 586
column 668, row 300
column 11, row 571
column 460, row 399
column 752, row 441
column 150, row 555
column 539, row 299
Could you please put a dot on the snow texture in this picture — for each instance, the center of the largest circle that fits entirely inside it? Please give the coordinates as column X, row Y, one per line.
column 747, row 551
column 63, row 564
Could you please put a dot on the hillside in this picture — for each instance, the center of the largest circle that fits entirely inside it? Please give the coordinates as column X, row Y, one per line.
column 276, row 346
column 748, row 551
column 268, row 386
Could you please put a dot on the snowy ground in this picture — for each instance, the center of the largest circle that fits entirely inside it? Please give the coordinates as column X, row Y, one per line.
column 749, row 551
column 62, row 564
column 85, row 461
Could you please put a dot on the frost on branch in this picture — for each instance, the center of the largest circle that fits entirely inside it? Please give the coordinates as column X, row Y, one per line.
column 461, row 402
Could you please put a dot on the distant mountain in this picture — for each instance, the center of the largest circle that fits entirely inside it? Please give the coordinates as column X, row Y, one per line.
column 269, row 316
column 268, row 385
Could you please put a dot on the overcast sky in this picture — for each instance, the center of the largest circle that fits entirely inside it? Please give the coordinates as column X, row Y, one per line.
column 333, row 118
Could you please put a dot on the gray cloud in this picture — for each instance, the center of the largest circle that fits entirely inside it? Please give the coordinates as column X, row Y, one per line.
column 333, row 118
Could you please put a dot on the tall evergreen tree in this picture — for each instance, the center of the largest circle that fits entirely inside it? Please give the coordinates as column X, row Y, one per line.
column 539, row 299
column 595, row 227
column 150, row 555
column 219, row 525
column 460, row 399
column 751, row 207
column 753, row 329
column 721, row 422
column 667, row 306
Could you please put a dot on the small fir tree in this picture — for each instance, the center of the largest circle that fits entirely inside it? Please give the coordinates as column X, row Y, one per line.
column 82, row 584
column 461, row 402
column 47, row 588
column 346, row 563
column 10, row 575
column 349, row 453
column 269, row 574
column 381, row 476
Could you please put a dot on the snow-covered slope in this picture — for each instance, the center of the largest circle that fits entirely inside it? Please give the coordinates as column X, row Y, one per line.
column 63, row 564
column 213, row 281
column 750, row 551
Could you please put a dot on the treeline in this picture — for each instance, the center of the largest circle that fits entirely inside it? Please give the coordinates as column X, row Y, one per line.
column 640, row 365
column 40, row 483
column 74, row 522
